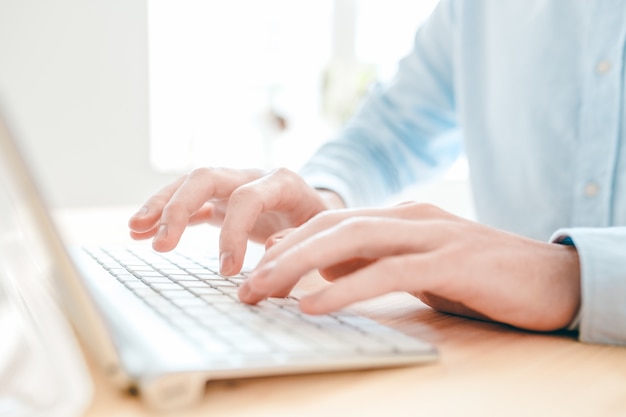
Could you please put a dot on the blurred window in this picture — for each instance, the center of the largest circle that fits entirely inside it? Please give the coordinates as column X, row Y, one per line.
column 245, row 83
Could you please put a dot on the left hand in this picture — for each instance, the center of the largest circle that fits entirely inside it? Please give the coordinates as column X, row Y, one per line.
column 450, row 263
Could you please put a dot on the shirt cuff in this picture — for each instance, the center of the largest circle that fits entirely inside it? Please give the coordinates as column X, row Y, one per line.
column 602, row 314
column 567, row 240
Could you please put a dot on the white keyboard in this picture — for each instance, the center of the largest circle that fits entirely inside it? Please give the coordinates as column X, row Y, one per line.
column 202, row 304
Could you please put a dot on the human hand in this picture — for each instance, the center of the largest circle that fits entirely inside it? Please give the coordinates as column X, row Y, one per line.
column 452, row 264
column 247, row 204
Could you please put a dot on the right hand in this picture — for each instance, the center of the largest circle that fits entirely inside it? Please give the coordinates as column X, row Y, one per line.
column 246, row 204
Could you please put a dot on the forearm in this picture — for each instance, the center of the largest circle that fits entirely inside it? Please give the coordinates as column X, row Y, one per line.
column 404, row 132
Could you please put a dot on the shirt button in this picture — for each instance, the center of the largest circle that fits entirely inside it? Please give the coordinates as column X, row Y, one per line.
column 591, row 189
column 603, row 67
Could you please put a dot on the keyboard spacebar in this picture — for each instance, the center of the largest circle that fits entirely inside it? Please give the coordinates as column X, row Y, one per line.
column 288, row 342
column 310, row 340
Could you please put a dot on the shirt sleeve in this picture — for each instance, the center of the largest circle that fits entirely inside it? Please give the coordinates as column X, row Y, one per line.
column 602, row 253
column 405, row 131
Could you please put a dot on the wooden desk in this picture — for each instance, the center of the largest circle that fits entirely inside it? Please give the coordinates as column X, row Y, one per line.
column 484, row 370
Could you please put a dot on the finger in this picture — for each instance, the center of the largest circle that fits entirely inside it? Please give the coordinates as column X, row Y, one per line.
column 285, row 290
column 147, row 217
column 281, row 191
column 144, row 235
column 369, row 238
column 322, row 221
column 344, row 268
column 247, row 292
column 363, row 284
column 277, row 237
column 197, row 188
column 330, row 218
column 210, row 213
column 207, row 214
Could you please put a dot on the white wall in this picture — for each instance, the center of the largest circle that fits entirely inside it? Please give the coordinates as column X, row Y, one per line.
column 73, row 76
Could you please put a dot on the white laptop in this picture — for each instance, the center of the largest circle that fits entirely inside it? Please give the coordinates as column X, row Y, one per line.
column 162, row 325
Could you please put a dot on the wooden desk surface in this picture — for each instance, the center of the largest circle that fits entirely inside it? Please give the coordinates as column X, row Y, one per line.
column 484, row 370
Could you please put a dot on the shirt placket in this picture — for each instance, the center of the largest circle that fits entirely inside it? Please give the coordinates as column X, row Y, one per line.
column 600, row 115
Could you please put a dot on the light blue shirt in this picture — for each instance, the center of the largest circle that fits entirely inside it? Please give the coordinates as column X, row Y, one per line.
column 533, row 92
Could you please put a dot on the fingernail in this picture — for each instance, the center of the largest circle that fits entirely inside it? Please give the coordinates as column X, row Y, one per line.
column 226, row 262
column 272, row 240
column 161, row 233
